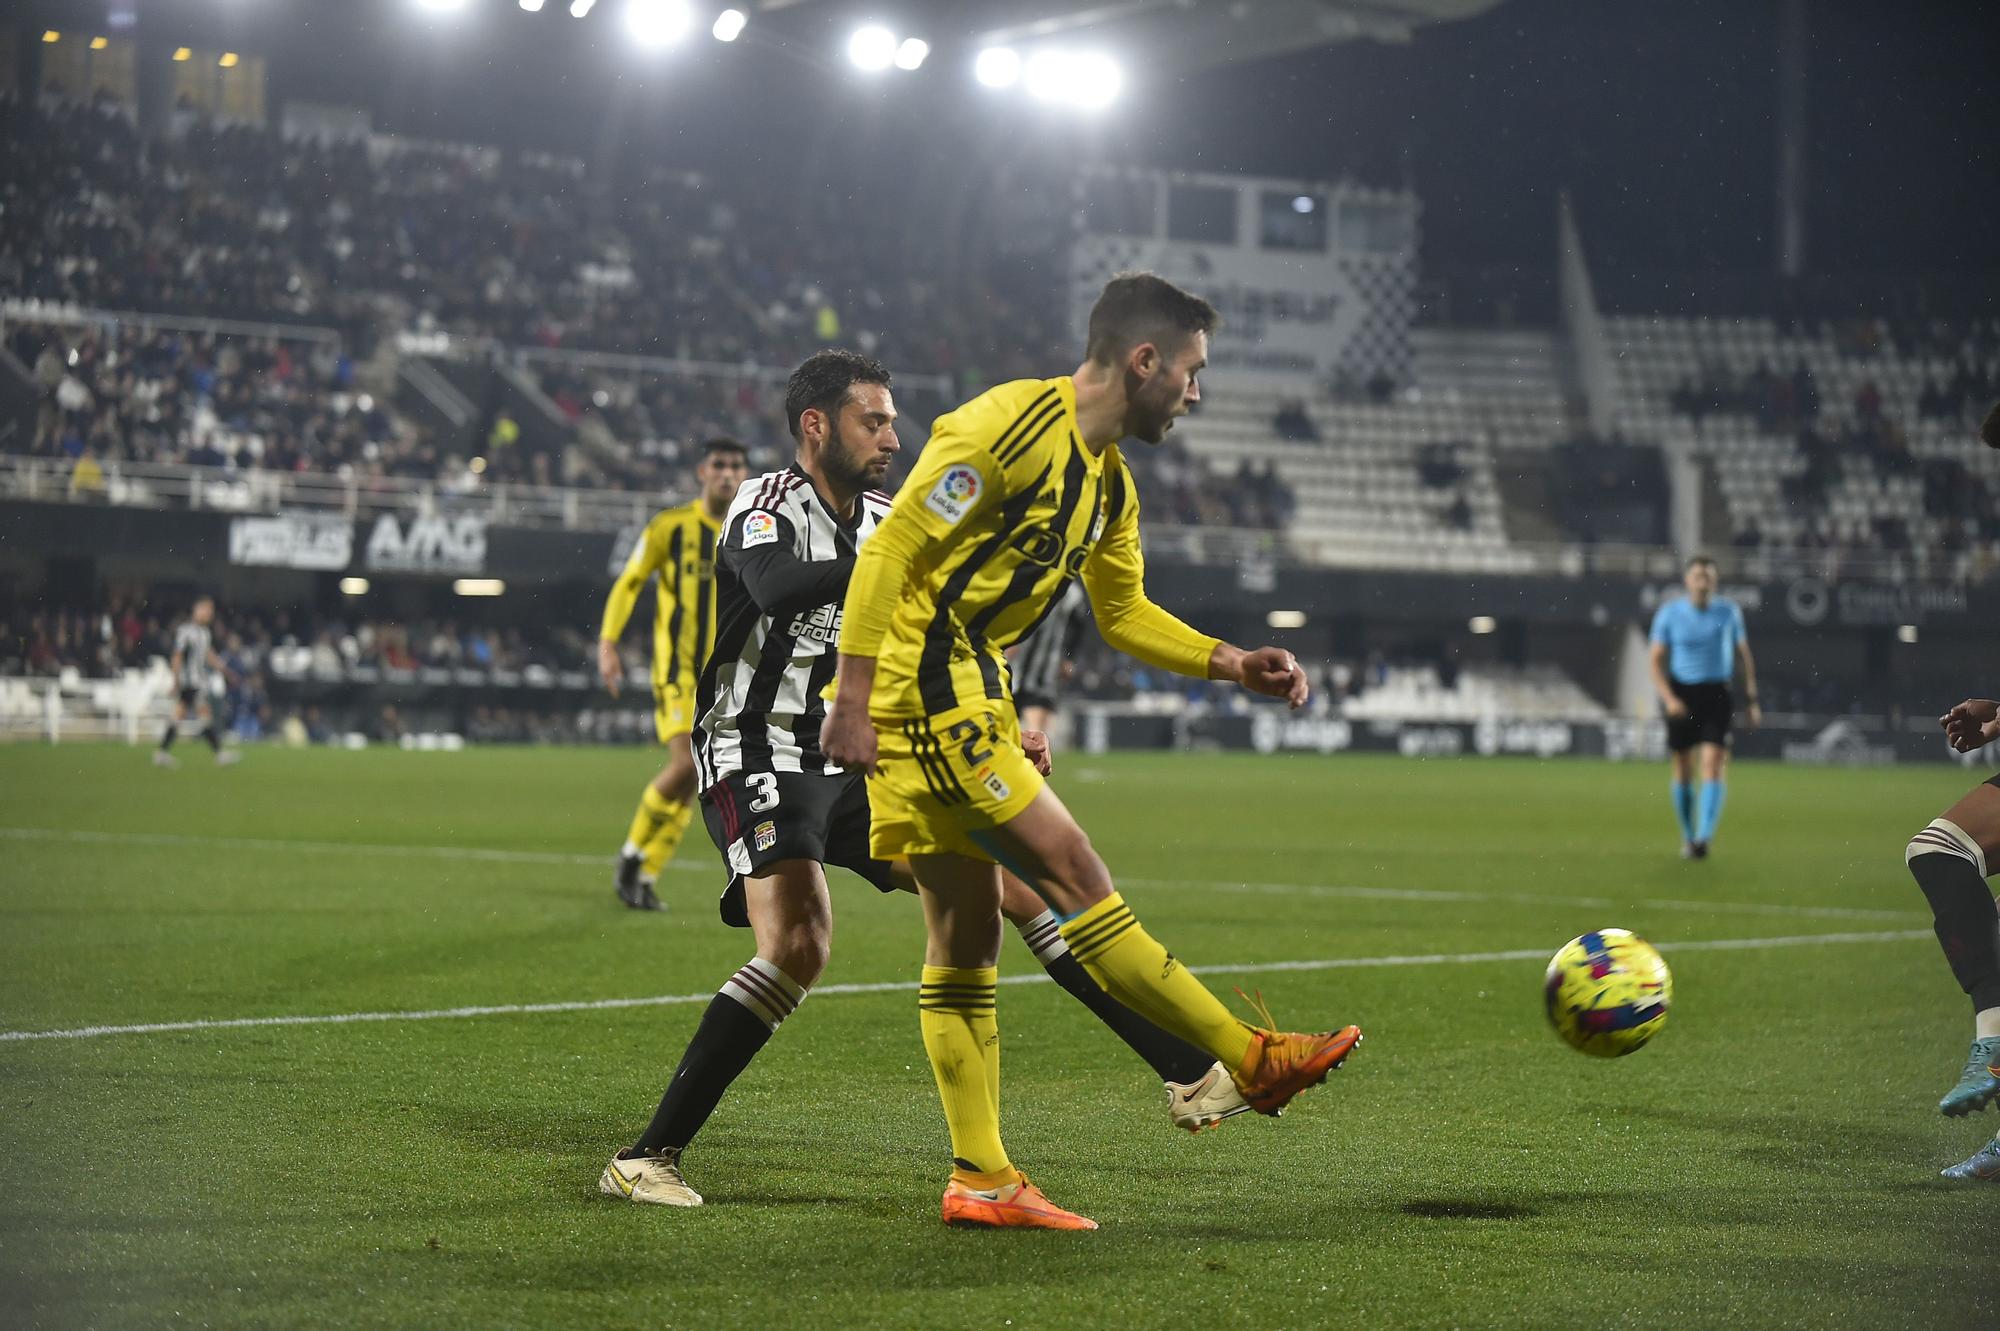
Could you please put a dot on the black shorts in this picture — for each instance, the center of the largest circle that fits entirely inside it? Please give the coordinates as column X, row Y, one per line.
column 1710, row 710
column 1029, row 698
column 759, row 818
column 190, row 696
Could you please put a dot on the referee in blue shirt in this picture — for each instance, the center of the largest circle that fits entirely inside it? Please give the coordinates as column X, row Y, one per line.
column 1697, row 641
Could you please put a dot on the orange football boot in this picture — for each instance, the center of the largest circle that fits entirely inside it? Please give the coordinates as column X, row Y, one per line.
column 1013, row 1206
column 1280, row 1064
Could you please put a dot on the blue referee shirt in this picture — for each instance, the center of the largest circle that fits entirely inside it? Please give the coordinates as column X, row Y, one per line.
column 1701, row 644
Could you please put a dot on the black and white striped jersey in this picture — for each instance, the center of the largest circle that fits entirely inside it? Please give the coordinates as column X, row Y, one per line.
column 781, row 572
column 1036, row 665
column 193, row 643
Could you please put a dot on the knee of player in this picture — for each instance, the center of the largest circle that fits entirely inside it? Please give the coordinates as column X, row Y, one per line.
column 1078, row 868
column 1943, row 837
column 802, row 952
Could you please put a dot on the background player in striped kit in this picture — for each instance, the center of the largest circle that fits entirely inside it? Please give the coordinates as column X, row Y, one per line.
column 678, row 549
column 780, row 812
column 194, row 664
column 1040, row 662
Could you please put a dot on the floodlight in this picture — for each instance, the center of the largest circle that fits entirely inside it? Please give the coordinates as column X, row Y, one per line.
column 442, row 5
column 1303, row 204
column 183, row 54
column 656, row 23
column 998, row 67
column 479, row 587
column 532, row 6
column 912, row 52
column 228, row 60
column 1906, row 633
column 1073, row 78
column 51, row 36
column 872, row 48
column 729, row 25
column 354, row 586
column 99, row 43
column 1482, row 625
column 578, row 8
column 1286, row 619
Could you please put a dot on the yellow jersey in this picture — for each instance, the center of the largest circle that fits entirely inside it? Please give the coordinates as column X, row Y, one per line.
column 677, row 547
column 1005, row 506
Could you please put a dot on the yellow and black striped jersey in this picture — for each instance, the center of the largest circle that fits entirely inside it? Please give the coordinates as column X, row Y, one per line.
column 1005, row 506
column 677, row 547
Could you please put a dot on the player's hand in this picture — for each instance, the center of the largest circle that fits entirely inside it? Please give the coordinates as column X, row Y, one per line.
column 610, row 668
column 1036, row 745
column 847, row 737
column 1972, row 724
column 1753, row 716
column 1676, row 710
column 1275, row 673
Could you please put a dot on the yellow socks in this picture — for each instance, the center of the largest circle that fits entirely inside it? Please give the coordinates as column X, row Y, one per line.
column 1134, row 969
column 657, row 829
column 956, row 1009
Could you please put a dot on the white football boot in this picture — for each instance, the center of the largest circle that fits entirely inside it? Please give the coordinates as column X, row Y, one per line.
column 652, row 1176
column 1205, row 1103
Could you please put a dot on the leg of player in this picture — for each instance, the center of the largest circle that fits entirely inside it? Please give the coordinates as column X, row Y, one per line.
column 1950, row 860
column 665, row 808
column 163, row 756
column 793, row 920
column 1681, row 762
column 957, row 1009
column 1044, row 845
column 1714, row 765
column 1200, row 1091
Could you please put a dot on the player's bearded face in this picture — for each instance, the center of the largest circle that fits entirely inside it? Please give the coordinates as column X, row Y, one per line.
column 1157, row 399
column 861, row 438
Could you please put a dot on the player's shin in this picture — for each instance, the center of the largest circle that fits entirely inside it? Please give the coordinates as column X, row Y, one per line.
column 666, row 838
column 740, row 1020
column 1950, row 867
column 1683, row 797
column 1144, row 976
column 1712, row 793
column 655, row 811
column 957, row 1010
column 1171, row 1057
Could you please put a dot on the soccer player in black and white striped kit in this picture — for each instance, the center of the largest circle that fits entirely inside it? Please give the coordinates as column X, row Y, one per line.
column 1040, row 662
column 774, row 805
column 194, row 663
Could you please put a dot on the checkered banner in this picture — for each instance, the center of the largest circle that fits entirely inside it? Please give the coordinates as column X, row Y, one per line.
column 1312, row 318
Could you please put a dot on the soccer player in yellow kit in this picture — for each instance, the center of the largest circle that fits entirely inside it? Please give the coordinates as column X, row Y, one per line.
column 1019, row 491
column 678, row 549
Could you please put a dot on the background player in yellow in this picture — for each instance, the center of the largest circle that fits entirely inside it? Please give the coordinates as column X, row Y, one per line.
column 1019, row 491
column 678, row 550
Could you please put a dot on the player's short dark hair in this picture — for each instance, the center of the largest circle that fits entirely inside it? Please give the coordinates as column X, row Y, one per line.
column 722, row 443
column 1136, row 308
column 1990, row 430
column 822, row 382
column 1697, row 561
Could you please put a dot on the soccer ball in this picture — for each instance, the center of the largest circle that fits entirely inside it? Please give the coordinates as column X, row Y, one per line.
column 1607, row 992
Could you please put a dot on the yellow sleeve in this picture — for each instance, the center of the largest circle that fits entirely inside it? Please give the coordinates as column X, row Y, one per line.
column 956, row 477
column 1115, row 578
column 647, row 555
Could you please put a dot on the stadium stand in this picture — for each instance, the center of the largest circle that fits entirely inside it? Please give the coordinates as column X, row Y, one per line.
column 1838, row 440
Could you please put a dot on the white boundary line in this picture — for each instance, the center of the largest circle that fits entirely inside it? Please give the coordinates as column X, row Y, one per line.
column 492, row 856
column 906, row 986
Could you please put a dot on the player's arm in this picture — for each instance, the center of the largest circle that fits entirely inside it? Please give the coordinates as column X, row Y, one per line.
column 1115, row 579
column 761, row 548
column 645, row 560
column 1752, row 712
column 1656, row 665
column 956, row 478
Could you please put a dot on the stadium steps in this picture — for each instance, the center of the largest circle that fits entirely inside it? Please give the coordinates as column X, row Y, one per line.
column 1526, row 503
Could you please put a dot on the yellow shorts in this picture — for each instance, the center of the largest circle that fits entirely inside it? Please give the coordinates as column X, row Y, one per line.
column 673, row 710
column 944, row 778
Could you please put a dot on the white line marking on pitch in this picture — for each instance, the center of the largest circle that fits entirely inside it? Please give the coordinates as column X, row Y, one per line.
column 713, row 870
column 906, row 986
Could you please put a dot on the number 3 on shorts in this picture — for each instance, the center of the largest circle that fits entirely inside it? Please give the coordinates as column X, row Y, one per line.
column 766, row 786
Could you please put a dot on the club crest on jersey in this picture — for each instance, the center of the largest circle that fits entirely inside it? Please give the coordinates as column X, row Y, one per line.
column 954, row 494
column 766, row 834
column 759, row 528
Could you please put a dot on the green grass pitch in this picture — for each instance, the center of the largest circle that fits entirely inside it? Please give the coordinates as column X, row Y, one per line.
column 1770, row 1160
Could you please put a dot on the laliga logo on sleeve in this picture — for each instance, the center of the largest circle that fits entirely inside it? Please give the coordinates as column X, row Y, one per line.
column 954, row 493
column 759, row 528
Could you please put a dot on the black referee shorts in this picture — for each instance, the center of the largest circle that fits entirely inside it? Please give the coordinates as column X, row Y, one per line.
column 1711, row 709
column 759, row 818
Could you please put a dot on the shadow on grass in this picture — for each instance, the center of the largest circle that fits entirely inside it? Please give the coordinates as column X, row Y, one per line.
column 1443, row 1208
